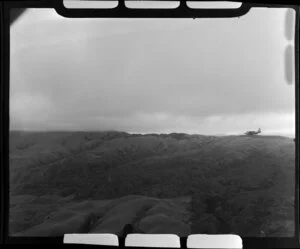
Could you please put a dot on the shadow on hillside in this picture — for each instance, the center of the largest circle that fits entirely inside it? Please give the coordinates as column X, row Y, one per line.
column 146, row 214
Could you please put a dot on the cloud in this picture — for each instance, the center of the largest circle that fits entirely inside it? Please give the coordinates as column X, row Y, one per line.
column 28, row 109
column 150, row 75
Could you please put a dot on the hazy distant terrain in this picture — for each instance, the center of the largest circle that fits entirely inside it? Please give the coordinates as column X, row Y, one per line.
column 62, row 182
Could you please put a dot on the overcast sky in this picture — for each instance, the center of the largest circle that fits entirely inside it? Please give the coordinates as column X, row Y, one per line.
column 207, row 76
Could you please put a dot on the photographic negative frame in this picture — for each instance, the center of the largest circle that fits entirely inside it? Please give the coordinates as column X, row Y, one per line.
column 122, row 12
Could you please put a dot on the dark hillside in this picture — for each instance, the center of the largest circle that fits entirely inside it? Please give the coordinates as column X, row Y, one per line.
column 242, row 184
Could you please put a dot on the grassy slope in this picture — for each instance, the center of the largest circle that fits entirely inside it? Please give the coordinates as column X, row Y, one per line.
column 235, row 183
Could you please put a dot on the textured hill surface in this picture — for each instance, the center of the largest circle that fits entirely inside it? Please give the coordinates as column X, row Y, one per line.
column 161, row 183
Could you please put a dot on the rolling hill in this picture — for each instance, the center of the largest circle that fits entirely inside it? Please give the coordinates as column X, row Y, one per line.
column 168, row 183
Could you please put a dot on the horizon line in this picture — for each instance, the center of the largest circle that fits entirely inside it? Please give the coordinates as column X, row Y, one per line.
column 158, row 133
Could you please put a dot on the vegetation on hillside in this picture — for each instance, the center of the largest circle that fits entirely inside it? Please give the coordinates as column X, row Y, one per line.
column 233, row 184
